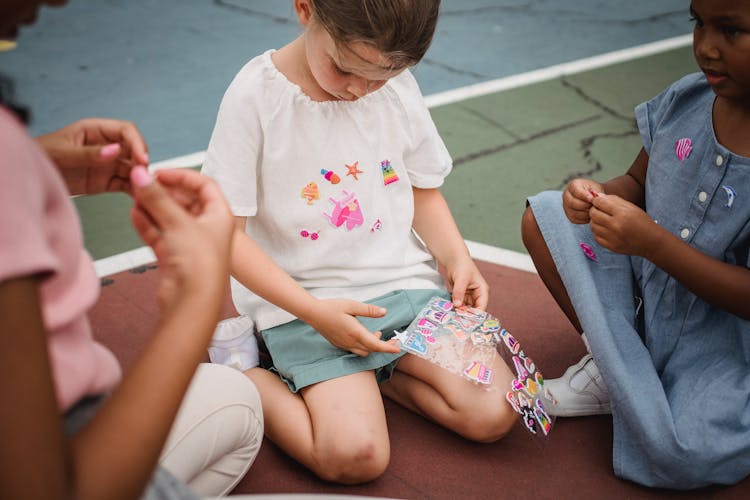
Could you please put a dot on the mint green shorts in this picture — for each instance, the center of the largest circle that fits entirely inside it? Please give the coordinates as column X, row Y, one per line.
column 302, row 357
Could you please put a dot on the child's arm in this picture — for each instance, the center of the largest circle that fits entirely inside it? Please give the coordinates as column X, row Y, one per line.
column 434, row 223
column 614, row 221
column 114, row 455
column 631, row 186
column 333, row 318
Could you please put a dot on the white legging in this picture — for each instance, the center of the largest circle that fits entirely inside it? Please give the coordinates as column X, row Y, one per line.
column 217, row 433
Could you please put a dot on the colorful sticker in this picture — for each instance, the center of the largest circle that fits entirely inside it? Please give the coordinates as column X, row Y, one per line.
column 731, row 195
column 389, row 174
column 312, row 235
column 310, row 192
column 466, row 342
column 589, row 252
column 437, row 316
column 376, row 226
column 346, row 211
column 479, row 372
column 510, row 342
column 542, row 418
column 330, row 176
column 683, row 147
column 353, row 170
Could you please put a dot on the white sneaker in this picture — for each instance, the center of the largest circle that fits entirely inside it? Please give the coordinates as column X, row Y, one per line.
column 580, row 391
column 234, row 344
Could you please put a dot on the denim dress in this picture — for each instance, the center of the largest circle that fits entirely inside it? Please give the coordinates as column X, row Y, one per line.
column 679, row 377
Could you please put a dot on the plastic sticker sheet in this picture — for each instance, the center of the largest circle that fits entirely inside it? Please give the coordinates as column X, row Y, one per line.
column 467, row 341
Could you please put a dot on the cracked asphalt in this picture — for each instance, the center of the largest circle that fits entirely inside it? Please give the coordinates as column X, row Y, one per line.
column 165, row 64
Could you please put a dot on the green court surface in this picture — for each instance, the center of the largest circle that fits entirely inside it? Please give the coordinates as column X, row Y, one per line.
column 506, row 146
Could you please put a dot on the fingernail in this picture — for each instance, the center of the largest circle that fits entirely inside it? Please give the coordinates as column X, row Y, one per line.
column 139, row 176
column 145, row 158
column 110, row 150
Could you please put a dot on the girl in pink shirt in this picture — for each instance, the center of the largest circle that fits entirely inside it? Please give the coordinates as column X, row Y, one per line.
column 69, row 426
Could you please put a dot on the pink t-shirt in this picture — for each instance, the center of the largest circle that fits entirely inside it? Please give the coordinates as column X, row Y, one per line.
column 40, row 235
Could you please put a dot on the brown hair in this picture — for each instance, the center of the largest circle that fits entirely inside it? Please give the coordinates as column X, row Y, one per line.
column 401, row 29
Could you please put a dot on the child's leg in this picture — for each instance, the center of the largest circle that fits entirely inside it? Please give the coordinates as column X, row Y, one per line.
column 545, row 266
column 580, row 390
column 336, row 428
column 474, row 411
column 217, row 433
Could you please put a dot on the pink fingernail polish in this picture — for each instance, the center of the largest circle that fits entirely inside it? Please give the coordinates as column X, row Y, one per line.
column 139, row 176
column 110, row 150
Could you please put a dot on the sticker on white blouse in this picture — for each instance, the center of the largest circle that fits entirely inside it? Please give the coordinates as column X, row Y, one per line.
column 353, row 170
column 330, row 176
column 683, row 147
column 346, row 211
column 310, row 192
column 731, row 195
column 313, row 235
column 389, row 174
column 376, row 226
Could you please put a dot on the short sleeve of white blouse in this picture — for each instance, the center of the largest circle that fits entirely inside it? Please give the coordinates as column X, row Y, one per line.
column 327, row 186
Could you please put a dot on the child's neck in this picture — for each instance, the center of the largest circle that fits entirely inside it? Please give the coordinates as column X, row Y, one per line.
column 732, row 126
column 291, row 61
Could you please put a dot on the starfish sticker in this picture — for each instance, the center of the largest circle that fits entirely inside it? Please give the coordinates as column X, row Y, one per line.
column 353, row 170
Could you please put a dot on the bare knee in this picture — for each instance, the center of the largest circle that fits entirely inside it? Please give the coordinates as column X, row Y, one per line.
column 488, row 425
column 351, row 461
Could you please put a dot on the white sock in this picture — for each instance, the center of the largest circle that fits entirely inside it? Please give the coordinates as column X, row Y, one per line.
column 234, row 344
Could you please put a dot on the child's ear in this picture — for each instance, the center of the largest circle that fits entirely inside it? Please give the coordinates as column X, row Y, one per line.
column 304, row 11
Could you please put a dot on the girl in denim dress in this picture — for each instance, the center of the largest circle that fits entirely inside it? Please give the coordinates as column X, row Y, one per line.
column 653, row 267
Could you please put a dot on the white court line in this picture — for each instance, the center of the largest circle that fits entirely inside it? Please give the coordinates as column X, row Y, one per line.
column 480, row 251
column 556, row 71
column 500, row 256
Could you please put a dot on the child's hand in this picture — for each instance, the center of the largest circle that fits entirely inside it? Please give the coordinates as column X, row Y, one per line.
column 336, row 321
column 467, row 285
column 191, row 237
column 95, row 155
column 577, row 199
column 622, row 227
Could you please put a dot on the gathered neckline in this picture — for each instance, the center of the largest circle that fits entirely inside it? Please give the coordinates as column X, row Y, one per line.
column 301, row 96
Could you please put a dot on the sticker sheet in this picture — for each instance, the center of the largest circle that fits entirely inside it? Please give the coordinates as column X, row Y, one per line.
column 466, row 341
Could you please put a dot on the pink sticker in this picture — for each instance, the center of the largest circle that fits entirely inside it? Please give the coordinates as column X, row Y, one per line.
column 312, row 235
column 683, row 147
column 589, row 252
column 346, row 211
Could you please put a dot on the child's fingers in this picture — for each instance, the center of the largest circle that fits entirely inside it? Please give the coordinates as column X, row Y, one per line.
column 372, row 343
column 126, row 133
column 205, row 190
column 458, row 293
column 154, row 199
column 366, row 310
column 605, row 203
column 144, row 226
column 480, row 299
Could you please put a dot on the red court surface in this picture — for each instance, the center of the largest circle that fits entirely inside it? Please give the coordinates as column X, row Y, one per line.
column 428, row 462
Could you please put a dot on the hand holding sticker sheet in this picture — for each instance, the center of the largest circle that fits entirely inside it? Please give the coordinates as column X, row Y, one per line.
column 465, row 340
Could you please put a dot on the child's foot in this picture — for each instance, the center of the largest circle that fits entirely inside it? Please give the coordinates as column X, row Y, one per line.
column 580, row 391
column 234, row 344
